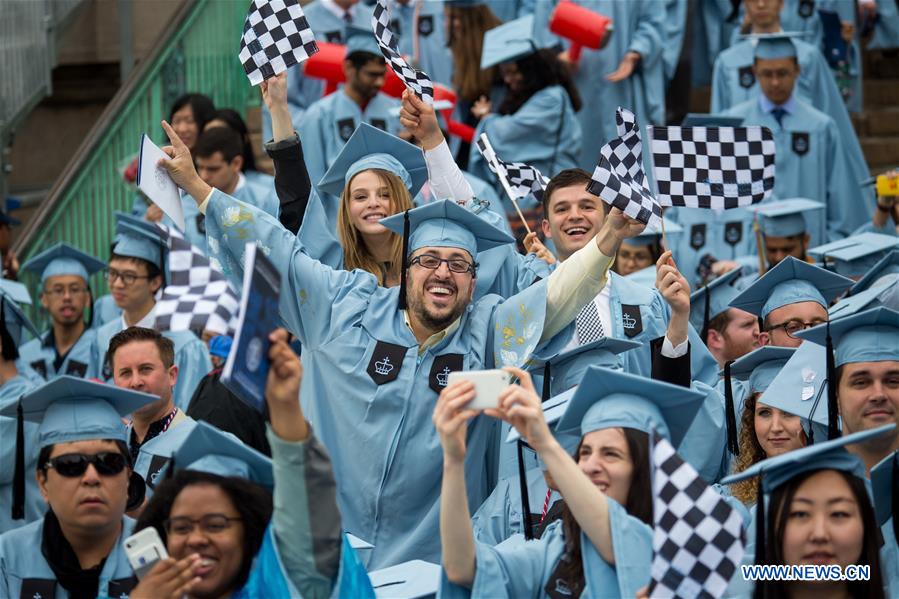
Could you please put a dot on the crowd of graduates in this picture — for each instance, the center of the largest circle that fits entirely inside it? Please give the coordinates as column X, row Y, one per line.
column 761, row 342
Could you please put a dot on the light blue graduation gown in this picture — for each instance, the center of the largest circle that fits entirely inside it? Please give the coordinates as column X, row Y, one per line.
column 329, row 124
column 434, row 56
column 711, row 35
column 543, row 133
column 10, row 392
column 40, row 354
column 359, row 354
column 675, row 25
column 303, row 91
column 191, row 358
column 733, row 83
column 509, row 10
column 639, row 27
column 500, row 516
column 811, row 162
column 519, row 568
column 105, row 309
column 156, row 453
column 24, row 572
column 886, row 29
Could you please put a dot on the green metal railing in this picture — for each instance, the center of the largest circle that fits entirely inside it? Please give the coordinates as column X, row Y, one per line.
column 198, row 54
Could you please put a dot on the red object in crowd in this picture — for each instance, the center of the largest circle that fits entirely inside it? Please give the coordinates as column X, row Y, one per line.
column 581, row 27
column 130, row 173
column 453, row 127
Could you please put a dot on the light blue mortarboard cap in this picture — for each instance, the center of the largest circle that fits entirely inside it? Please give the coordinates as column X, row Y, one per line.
column 414, row 579
column 869, row 336
column 566, row 368
column 136, row 238
column 867, row 299
column 760, row 366
column 510, row 41
column 785, row 218
column 608, row 398
column 774, row 45
column 447, row 224
column 13, row 293
column 790, row 282
column 464, row 3
column 884, row 481
column 719, row 293
column 884, row 272
column 829, row 455
column 70, row 409
column 654, row 235
column 361, row 39
column 207, row 449
column 63, row 259
column 371, row 148
column 855, row 255
column 800, row 387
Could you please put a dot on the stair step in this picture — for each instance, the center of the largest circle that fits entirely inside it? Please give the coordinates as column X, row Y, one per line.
column 881, row 92
column 876, row 121
column 880, row 151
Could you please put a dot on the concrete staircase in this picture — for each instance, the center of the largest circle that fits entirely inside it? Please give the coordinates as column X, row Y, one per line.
column 878, row 125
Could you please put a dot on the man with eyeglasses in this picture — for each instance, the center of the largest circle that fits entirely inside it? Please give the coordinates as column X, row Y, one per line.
column 85, row 477
column 135, row 275
column 65, row 294
column 789, row 298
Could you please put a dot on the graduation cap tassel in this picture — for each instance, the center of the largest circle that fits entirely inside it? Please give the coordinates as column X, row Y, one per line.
column 833, row 412
column 895, row 506
column 706, row 313
column 525, row 500
column 730, row 418
column 546, row 383
column 405, row 259
column 760, row 532
column 10, row 351
column 18, row 481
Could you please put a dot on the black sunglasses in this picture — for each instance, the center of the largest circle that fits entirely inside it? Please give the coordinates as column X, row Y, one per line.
column 75, row 464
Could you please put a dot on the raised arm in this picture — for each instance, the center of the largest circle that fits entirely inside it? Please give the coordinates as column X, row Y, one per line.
column 292, row 182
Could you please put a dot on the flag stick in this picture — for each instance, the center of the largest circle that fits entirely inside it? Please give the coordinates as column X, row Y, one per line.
column 490, row 155
column 665, row 245
column 759, row 243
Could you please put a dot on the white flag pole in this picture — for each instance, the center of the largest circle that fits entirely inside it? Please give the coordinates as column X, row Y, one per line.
column 490, row 156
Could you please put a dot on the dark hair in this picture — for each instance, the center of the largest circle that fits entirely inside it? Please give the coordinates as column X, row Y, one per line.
column 566, row 178
column 771, row 553
column 233, row 119
column 360, row 58
column 252, row 502
column 44, row 455
column 134, row 334
column 219, row 139
column 200, row 105
column 539, row 70
column 638, row 504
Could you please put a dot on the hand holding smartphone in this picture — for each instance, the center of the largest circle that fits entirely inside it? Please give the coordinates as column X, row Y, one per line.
column 488, row 384
column 144, row 549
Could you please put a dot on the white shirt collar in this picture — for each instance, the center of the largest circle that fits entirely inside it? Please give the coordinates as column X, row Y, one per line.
column 338, row 12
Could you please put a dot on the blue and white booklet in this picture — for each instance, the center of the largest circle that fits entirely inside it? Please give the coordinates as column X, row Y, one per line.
column 246, row 369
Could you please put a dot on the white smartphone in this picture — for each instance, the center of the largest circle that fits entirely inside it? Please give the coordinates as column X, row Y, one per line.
column 144, row 549
column 488, row 384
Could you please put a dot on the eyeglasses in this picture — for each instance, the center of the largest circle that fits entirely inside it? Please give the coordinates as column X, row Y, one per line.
column 210, row 524
column 791, row 327
column 456, row 265
column 128, row 278
column 71, row 465
column 61, row 291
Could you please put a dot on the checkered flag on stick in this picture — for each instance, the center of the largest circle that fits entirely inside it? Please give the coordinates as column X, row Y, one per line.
column 275, row 37
column 417, row 81
column 198, row 297
column 698, row 539
column 522, row 179
column 619, row 179
column 712, row 167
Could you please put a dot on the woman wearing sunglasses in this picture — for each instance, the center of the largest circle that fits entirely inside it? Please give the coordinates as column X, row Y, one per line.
column 237, row 524
column 85, row 476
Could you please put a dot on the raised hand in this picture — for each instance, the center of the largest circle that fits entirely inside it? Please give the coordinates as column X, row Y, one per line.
column 451, row 419
column 534, row 246
column 625, row 68
column 168, row 579
column 181, row 166
column 282, row 389
column 672, row 284
column 420, row 120
column 520, row 406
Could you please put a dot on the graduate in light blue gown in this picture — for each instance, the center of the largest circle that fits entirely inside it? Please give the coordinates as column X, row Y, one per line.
column 535, row 123
column 65, row 292
column 886, row 26
column 328, row 21
column 18, row 379
column 140, row 247
column 884, row 482
column 298, row 549
column 421, row 30
column 633, row 54
column 811, row 161
column 855, row 255
column 607, row 491
column 814, row 477
column 330, row 122
column 714, row 22
column 105, row 309
column 77, row 421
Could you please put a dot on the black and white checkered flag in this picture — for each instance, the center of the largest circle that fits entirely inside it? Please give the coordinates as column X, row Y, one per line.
column 698, row 539
column 523, row 179
column 417, row 81
column 619, row 179
column 198, row 297
column 275, row 37
column 712, row 167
